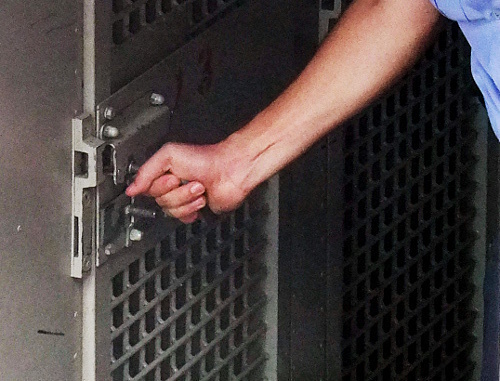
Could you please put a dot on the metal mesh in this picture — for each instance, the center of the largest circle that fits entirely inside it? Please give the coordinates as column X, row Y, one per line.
column 407, row 287
column 130, row 17
column 192, row 307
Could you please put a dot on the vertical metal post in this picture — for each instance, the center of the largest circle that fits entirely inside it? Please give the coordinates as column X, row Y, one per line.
column 96, row 88
column 271, row 282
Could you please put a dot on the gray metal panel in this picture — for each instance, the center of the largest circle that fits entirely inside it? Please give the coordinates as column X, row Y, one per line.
column 212, row 85
column 39, row 303
column 170, row 309
column 153, row 29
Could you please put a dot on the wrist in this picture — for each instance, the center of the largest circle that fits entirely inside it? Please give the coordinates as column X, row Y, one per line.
column 237, row 155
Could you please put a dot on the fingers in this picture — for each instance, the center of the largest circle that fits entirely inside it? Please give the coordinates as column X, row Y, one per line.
column 190, row 219
column 155, row 167
column 187, row 212
column 163, row 184
column 181, row 202
column 180, row 196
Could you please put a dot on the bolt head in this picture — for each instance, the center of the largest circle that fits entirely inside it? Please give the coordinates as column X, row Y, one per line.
column 136, row 235
column 110, row 132
column 157, row 99
column 109, row 113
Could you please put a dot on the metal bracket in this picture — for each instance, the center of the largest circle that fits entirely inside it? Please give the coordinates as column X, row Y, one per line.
column 132, row 125
column 125, row 221
column 85, row 174
column 133, row 135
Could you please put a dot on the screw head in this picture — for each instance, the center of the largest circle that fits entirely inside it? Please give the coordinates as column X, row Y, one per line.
column 136, row 235
column 157, row 99
column 110, row 132
column 87, row 264
column 109, row 113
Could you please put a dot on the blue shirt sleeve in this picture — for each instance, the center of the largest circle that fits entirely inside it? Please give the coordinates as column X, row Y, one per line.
column 480, row 22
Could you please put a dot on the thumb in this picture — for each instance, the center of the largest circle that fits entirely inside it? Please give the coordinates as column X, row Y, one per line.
column 155, row 167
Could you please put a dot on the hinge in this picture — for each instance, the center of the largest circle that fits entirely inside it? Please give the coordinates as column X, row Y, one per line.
column 85, row 167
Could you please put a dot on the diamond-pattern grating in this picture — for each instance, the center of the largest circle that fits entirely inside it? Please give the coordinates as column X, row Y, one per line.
column 192, row 307
column 130, row 17
column 407, row 286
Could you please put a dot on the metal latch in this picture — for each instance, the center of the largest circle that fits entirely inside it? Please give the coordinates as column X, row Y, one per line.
column 105, row 155
column 132, row 135
column 133, row 128
column 86, row 162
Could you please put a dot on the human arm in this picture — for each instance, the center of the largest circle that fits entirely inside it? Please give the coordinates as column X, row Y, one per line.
column 372, row 45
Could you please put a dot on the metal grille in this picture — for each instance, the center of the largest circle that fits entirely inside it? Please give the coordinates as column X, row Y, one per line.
column 130, row 17
column 192, row 307
column 407, row 286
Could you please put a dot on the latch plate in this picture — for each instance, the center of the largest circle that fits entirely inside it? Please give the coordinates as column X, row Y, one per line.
column 86, row 153
column 140, row 125
column 141, row 130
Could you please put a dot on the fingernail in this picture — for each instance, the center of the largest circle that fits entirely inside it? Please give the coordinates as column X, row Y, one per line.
column 200, row 203
column 197, row 188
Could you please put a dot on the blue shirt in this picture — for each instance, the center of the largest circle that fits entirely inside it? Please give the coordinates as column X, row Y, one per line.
column 480, row 22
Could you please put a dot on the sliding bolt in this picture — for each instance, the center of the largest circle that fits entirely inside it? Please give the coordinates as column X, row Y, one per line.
column 109, row 113
column 136, row 235
column 156, row 99
column 133, row 168
column 140, row 212
column 110, row 132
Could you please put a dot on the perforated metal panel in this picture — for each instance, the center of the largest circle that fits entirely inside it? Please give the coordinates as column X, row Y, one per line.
column 145, row 31
column 408, row 289
column 195, row 302
column 192, row 307
column 133, row 17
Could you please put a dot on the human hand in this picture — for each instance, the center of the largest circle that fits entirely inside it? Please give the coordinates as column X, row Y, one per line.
column 184, row 178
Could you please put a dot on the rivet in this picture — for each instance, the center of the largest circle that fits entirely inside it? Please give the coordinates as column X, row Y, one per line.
column 109, row 113
column 110, row 132
column 156, row 99
column 136, row 235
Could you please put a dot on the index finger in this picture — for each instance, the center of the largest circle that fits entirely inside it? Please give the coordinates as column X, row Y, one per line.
column 156, row 166
column 163, row 184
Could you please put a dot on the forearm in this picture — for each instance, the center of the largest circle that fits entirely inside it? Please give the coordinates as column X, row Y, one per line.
column 372, row 45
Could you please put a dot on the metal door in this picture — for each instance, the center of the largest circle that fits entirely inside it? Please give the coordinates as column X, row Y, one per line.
column 164, row 301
